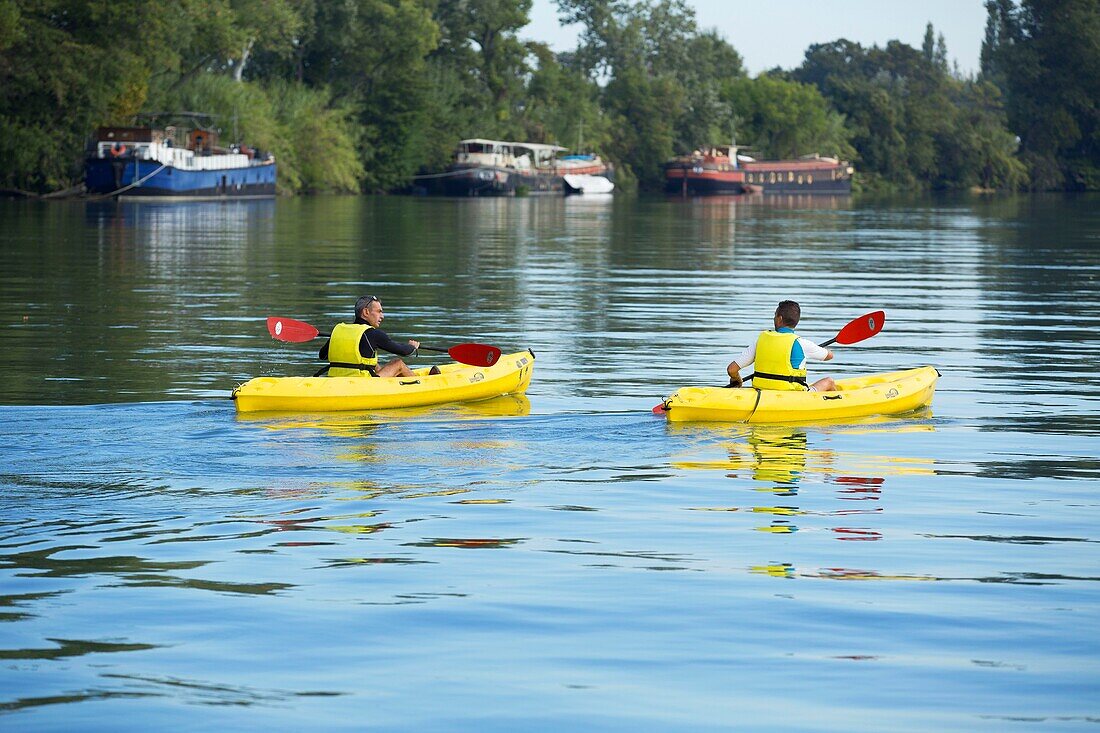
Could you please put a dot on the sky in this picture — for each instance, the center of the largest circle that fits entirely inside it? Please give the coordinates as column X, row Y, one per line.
column 770, row 33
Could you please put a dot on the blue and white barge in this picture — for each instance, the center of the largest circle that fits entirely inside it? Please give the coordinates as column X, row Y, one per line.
column 174, row 163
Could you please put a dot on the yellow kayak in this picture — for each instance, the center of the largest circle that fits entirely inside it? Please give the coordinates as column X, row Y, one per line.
column 457, row 383
column 889, row 393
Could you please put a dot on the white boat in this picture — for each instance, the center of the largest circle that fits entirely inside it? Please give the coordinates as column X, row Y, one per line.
column 587, row 184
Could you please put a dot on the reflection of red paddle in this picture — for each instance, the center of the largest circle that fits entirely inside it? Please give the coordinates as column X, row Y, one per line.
column 859, row 329
column 297, row 332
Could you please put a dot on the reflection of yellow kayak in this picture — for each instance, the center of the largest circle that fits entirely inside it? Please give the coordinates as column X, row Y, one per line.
column 889, row 393
column 356, row 423
column 457, row 383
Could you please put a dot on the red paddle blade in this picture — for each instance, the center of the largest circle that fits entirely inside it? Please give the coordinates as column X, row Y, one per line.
column 475, row 354
column 288, row 329
column 862, row 328
column 659, row 409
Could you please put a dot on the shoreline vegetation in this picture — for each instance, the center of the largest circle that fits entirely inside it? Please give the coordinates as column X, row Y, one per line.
column 362, row 96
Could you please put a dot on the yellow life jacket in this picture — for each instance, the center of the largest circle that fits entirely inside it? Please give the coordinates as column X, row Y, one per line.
column 343, row 352
column 773, row 363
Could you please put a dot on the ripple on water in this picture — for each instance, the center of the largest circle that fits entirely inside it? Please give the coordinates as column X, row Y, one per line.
column 567, row 559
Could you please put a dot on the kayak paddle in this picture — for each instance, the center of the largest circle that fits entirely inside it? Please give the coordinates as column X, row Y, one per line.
column 858, row 329
column 297, row 332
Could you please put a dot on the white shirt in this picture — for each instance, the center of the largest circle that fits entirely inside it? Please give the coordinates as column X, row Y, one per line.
column 810, row 350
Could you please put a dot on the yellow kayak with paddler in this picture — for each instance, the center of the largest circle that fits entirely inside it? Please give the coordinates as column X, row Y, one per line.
column 888, row 393
column 456, row 382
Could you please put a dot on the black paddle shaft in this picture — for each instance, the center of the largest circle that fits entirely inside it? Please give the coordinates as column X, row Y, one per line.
column 422, row 347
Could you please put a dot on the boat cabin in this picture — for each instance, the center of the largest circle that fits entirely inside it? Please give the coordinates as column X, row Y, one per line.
column 137, row 141
column 504, row 154
column 178, row 147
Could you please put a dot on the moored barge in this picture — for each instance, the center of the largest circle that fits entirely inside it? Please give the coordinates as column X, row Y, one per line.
column 712, row 170
column 500, row 168
column 174, row 163
column 813, row 174
column 721, row 170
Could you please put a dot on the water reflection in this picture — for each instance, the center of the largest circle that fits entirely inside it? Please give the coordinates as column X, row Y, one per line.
column 180, row 527
column 469, row 543
column 165, row 219
column 72, row 648
column 780, row 460
column 159, row 239
column 357, row 423
column 127, row 570
column 781, row 456
column 855, row 574
column 17, row 601
column 189, row 691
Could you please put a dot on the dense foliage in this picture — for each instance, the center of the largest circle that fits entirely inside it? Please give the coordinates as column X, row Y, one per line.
column 362, row 95
column 1045, row 56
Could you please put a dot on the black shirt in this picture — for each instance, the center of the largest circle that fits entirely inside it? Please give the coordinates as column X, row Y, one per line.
column 374, row 339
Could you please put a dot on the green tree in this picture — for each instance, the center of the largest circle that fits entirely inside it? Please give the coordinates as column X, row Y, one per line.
column 270, row 26
column 784, row 119
column 1046, row 54
column 492, row 27
column 709, row 67
column 638, row 108
column 562, row 105
column 315, row 140
column 914, row 124
column 978, row 148
column 663, row 78
column 66, row 67
column 371, row 54
column 1001, row 31
column 320, row 140
column 362, row 94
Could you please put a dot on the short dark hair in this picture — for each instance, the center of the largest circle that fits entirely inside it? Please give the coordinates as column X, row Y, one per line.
column 789, row 311
column 363, row 302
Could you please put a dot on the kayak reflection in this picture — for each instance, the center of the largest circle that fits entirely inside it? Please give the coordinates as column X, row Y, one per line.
column 782, row 455
column 775, row 454
column 355, row 424
column 383, row 436
column 779, row 460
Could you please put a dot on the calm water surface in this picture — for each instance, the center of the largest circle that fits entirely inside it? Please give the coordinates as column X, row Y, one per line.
column 565, row 561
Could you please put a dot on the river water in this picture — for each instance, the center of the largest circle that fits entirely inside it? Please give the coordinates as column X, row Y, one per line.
column 564, row 561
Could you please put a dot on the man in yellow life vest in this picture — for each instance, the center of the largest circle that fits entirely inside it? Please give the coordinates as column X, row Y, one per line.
column 781, row 355
column 352, row 349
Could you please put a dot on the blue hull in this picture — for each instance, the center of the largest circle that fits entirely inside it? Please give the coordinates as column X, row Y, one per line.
column 105, row 176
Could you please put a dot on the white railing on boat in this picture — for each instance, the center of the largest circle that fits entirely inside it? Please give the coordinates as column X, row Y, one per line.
column 181, row 158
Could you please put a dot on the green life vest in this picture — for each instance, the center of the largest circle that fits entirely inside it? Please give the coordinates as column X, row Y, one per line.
column 773, row 363
column 343, row 352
